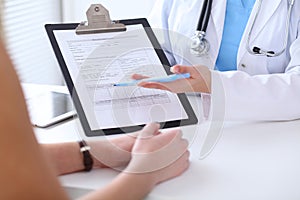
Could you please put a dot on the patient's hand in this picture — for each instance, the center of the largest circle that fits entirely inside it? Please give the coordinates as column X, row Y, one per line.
column 113, row 152
column 160, row 156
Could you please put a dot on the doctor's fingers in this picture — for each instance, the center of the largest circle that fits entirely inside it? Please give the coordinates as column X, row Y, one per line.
column 176, row 69
column 195, row 71
column 200, row 77
column 178, row 86
column 138, row 76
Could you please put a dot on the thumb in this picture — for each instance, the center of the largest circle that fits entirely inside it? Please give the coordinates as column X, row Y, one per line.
column 180, row 69
column 149, row 130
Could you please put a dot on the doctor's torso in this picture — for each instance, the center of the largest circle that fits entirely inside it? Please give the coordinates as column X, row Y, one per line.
column 181, row 18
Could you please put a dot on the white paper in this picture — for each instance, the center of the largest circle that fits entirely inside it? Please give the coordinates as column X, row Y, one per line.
column 95, row 62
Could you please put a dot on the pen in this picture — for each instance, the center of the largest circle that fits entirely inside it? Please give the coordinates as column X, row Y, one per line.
column 164, row 79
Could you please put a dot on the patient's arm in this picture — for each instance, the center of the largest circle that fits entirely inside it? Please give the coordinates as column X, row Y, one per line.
column 24, row 173
column 108, row 152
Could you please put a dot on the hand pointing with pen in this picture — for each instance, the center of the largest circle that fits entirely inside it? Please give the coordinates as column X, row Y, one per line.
column 199, row 81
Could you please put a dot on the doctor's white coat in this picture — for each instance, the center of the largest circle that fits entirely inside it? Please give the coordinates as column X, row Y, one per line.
column 263, row 88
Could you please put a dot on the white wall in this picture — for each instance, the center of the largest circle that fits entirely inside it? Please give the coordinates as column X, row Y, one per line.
column 27, row 41
column 74, row 10
column 33, row 56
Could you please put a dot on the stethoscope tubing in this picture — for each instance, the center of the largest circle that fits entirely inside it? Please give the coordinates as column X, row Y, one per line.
column 204, row 16
column 203, row 24
column 287, row 25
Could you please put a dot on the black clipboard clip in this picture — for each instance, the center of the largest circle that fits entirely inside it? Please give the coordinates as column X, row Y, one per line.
column 98, row 22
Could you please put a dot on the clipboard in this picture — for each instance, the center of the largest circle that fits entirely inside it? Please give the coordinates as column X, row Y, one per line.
column 92, row 120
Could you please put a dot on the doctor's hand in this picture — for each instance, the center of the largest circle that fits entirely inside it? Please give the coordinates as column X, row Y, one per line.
column 200, row 80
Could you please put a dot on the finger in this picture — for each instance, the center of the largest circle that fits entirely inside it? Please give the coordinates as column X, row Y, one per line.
column 175, row 69
column 149, row 130
column 157, row 133
column 185, row 161
column 137, row 133
column 178, row 86
column 186, row 155
column 176, row 131
column 178, row 167
column 138, row 76
column 181, row 143
column 184, row 143
column 180, row 69
column 173, row 137
column 154, row 85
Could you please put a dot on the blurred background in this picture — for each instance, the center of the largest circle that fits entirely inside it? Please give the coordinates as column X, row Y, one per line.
column 22, row 28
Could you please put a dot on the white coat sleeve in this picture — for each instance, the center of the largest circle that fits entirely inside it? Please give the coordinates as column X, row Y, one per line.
column 239, row 96
column 159, row 21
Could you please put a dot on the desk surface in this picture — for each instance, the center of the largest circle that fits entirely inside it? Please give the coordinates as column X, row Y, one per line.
column 252, row 160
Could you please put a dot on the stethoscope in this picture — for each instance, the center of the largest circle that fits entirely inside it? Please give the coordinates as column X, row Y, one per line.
column 200, row 46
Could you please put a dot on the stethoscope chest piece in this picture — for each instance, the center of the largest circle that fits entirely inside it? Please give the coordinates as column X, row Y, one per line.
column 199, row 45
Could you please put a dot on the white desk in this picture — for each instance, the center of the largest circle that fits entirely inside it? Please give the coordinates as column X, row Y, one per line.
column 251, row 161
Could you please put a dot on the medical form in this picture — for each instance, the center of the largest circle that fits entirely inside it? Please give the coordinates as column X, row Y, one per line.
column 97, row 61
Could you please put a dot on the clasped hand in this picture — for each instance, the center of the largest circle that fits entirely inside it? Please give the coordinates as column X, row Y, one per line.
column 150, row 152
